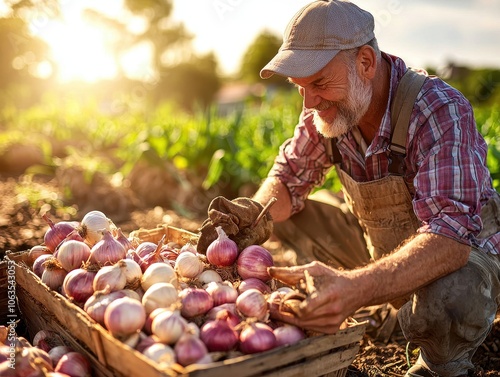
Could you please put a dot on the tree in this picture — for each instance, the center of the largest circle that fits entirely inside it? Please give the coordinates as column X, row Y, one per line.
column 192, row 83
column 258, row 54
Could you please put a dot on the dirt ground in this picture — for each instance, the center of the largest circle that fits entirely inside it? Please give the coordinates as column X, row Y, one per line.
column 21, row 227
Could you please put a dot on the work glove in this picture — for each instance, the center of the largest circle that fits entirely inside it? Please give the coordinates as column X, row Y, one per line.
column 237, row 219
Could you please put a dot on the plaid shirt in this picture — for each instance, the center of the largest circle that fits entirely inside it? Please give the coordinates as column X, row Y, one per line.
column 445, row 161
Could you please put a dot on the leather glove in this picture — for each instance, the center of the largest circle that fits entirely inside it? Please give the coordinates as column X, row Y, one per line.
column 236, row 217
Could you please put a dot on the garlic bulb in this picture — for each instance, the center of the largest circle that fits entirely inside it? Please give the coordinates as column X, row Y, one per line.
column 92, row 226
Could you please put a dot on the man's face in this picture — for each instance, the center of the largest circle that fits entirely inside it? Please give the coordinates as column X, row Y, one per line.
column 338, row 96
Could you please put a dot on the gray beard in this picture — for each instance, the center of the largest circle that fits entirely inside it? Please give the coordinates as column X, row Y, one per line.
column 350, row 111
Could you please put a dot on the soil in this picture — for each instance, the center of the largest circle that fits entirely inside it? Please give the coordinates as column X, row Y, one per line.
column 21, row 227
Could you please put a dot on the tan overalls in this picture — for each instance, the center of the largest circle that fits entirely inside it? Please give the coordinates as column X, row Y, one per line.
column 450, row 317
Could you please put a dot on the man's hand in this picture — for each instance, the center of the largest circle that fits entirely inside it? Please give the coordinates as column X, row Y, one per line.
column 326, row 305
column 239, row 219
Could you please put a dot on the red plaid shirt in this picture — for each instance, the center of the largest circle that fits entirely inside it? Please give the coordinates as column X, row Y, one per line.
column 445, row 161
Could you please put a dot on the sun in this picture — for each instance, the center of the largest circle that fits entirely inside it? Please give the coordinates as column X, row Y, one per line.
column 78, row 48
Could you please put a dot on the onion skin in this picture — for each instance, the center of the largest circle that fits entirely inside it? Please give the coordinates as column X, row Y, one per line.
column 257, row 337
column 124, row 317
column 96, row 304
column 159, row 295
column 107, row 251
column 253, row 304
column 92, row 226
column 218, row 335
column 250, row 283
column 233, row 318
column 39, row 264
column 110, row 278
column 288, row 334
column 253, row 262
column 195, row 302
column 72, row 254
column 57, row 232
column 36, row 251
column 57, row 352
column 74, row 364
column 168, row 326
column 53, row 275
column 77, row 285
column 223, row 251
column 189, row 349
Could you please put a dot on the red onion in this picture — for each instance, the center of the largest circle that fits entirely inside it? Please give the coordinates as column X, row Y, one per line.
column 256, row 337
column 146, row 342
column 36, row 251
column 233, row 317
column 169, row 253
column 223, row 251
column 110, row 278
column 77, row 285
column 30, row 361
column 255, row 283
column 168, row 326
column 53, row 275
column 189, row 349
column 253, row 304
column 124, row 316
column 218, row 335
column 74, row 364
column 107, row 251
column 146, row 248
column 253, row 262
column 195, row 301
column 72, row 254
column 121, row 238
column 39, row 264
column 57, row 352
column 288, row 334
column 46, row 340
column 222, row 293
column 57, row 232
column 146, row 254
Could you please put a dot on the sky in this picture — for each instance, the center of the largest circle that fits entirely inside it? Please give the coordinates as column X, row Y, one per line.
column 426, row 33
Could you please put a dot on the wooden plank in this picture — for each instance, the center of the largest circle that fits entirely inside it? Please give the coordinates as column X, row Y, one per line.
column 77, row 322
column 250, row 365
column 39, row 318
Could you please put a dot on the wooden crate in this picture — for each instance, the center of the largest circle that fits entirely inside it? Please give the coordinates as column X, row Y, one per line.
column 328, row 355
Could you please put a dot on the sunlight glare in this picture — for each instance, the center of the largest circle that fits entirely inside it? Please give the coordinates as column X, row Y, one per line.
column 79, row 52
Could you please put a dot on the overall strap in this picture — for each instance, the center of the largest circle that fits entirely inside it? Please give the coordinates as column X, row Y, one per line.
column 407, row 91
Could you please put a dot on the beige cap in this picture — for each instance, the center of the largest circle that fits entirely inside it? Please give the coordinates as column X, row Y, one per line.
column 316, row 34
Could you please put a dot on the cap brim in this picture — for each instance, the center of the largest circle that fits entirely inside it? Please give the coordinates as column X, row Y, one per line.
column 297, row 63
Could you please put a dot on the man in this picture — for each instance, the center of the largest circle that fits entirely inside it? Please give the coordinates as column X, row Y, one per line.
column 428, row 212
